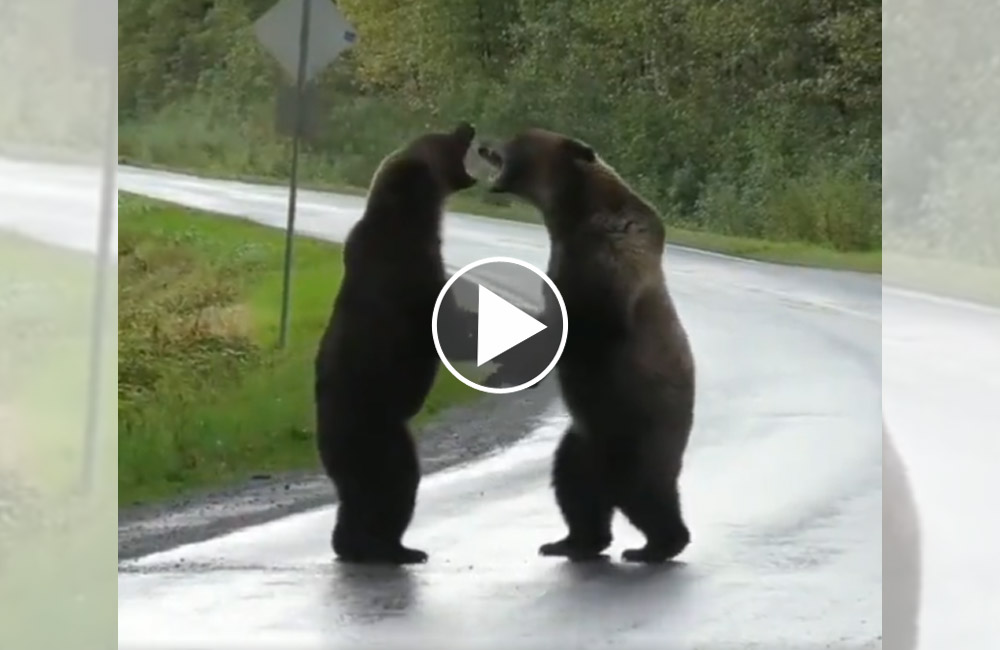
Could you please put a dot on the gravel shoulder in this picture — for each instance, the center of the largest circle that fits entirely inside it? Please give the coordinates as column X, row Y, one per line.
column 464, row 433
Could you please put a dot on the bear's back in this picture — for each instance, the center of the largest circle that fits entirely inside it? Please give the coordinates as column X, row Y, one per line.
column 393, row 272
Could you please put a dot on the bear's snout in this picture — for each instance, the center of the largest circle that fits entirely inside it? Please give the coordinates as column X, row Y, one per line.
column 490, row 155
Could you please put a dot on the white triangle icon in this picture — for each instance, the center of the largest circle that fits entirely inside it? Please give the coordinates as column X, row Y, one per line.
column 501, row 326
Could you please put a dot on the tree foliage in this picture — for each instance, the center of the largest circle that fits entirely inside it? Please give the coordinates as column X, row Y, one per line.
column 721, row 111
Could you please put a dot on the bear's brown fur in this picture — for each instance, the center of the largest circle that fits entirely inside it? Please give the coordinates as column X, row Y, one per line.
column 627, row 374
column 376, row 361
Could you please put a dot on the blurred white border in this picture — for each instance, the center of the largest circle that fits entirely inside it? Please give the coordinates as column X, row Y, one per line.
column 58, row 227
column 941, row 353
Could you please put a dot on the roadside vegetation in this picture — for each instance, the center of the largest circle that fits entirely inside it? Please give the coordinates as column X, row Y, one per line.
column 975, row 282
column 205, row 397
column 44, row 291
column 754, row 127
column 56, row 555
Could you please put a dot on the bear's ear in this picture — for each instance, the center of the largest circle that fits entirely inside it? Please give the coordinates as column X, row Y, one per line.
column 465, row 132
column 580, row 151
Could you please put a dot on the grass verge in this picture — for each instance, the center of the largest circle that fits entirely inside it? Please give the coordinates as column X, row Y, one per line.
column 205, row 396
column 57, row 556
column 945, row 278
column 45, row 292
column 792, row 253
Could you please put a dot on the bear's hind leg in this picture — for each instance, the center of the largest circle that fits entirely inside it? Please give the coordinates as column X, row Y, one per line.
column 656, row 512
column 399, row 499
column 583, row 499
column 377, row 502
column 352, row 540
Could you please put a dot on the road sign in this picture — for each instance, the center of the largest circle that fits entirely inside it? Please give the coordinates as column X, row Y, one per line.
column 97, row 31
column 280, row 32
column 304, row 36
column 289, row 104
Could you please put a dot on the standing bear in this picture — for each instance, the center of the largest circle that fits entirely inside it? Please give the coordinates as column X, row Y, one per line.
column 627, row 373
column 376, row 361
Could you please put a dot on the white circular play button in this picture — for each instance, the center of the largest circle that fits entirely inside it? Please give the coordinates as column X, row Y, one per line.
column 518, row 318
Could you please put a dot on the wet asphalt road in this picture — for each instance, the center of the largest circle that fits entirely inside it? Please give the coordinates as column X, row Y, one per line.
column 783, row 486
column 463, row 434
column 941, row 382
column 54, row 203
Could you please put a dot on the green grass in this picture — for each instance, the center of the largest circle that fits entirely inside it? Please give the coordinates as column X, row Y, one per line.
column 792, row 253
column 44, row 359
column 205, row 396
column 976, row 283
column 57, row 555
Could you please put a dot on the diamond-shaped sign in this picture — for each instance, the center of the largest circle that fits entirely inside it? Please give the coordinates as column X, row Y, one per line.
column 96, row 30
column 279, row 31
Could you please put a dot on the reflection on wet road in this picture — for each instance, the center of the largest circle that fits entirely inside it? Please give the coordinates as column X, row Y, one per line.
column 783, row 489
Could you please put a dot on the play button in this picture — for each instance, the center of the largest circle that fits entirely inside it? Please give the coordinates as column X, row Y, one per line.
column 519, row 323
column 501, row 326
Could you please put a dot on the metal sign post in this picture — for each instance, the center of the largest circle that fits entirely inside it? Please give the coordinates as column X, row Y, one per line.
column 98, row 343
column 94, row 27
column 293, row 182
column 304, row 36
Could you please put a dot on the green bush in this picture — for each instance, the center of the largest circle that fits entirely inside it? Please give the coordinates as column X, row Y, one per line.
column 205, row 396
column 747, row 118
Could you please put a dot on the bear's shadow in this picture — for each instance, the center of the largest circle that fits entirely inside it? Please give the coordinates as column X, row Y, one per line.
column 371, row 592
column 634, row 586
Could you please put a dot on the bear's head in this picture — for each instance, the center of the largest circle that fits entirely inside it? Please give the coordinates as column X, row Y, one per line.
column 444, row 154
column 538, row 165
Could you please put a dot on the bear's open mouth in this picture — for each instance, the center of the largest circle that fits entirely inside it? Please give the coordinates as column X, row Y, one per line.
column 494, row 163
column 492, row 156
column 483, row 162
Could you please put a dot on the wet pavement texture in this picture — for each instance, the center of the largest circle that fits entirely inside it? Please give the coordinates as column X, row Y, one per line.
column 784, row 485
column 782, row 488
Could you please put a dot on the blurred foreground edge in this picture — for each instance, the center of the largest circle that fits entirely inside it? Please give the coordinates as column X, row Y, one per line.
column 900, row 554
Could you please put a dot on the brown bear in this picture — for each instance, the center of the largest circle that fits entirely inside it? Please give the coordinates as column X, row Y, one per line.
column 627, row 374
column 376, row 360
